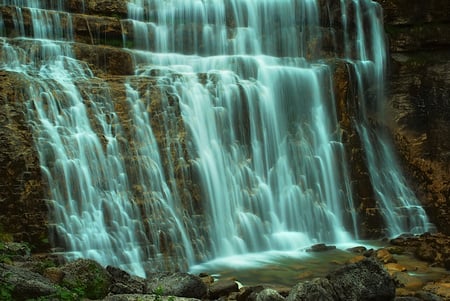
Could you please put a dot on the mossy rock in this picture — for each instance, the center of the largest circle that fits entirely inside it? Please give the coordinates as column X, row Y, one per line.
column 86, row 277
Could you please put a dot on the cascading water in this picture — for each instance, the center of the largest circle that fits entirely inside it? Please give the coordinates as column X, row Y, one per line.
column 247, row 112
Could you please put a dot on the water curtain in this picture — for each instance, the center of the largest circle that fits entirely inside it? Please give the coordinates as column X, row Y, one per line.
column 229, row 140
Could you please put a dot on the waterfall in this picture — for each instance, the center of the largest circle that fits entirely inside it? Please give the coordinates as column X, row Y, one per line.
column 229, row 141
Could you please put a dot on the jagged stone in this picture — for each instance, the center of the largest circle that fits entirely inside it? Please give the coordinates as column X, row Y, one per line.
column 364, row 280
column 222, row 288
column 88, row 276
column 124, row 283
column 22, row 284
column 269, row 294
column 319, row 289
column 176, row 284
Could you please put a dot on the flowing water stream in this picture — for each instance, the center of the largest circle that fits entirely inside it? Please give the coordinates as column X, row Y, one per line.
column 247, row 107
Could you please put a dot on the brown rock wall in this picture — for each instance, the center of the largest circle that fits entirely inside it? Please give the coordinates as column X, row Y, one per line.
column 22, row 204
column 419, row 93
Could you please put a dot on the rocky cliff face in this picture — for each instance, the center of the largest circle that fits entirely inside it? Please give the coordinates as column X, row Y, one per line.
column 419, row 104
column 419, row 98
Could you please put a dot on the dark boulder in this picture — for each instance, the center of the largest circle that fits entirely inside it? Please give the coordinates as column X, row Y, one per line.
column 319, row 289
column 269, row 294
column 365, row 280
column 124, row 283
column 222, row 288
column 86, row 276
column 20, row 284
column 176, row 284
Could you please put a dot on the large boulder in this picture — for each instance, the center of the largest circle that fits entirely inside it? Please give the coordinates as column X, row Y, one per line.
column 364, row 280
column 87, row 277
column 176, row 284
column 21, row 284
column 319, row 289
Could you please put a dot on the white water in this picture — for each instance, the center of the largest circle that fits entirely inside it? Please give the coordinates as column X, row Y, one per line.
column 259, row 128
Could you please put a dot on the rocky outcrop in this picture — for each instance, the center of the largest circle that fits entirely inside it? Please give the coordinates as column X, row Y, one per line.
column 419, row 89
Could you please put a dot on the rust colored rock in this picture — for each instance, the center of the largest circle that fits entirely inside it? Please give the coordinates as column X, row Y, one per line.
column 110, row 60
column 116, row 8
column 22, row 203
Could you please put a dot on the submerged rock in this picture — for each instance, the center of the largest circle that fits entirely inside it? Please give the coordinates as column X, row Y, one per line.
column 320, row 248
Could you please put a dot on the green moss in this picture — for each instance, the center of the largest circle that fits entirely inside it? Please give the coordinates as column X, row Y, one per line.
column 4, row 236
column 89, row 280
column 117, row 43
column 6, row 289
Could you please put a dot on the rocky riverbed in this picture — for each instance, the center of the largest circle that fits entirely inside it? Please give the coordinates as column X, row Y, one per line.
column 404, row 268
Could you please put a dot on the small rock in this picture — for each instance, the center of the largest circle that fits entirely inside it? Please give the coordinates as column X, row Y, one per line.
column 440, row 288
column 357, row 259
column 54, row 274
column 269, row 294
column 384, row 256
column 359, row 249
column 426, row 252
column 222, row 288
column 407, row 281
column 249, row 293
column 320, row 248
column 207, row 279
column 394, row 267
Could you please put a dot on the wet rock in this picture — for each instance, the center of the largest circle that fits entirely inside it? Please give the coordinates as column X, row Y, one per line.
column 407, row 281
column 365, row 280
column 141, row 297
column 385, row 256
column 269, row 294
column 176, row 284
column 320, row 248
column 356, row 259
column 439, row 288
column 124, row 283
column 15, row 249
column 319, row 289
column 222, row 288
column 87, row 276
column 394, row 267
column 249, row 293
column 432, row 248
column 427, row 296
column 54, row 274
column 20, row 284
column 359, row 249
